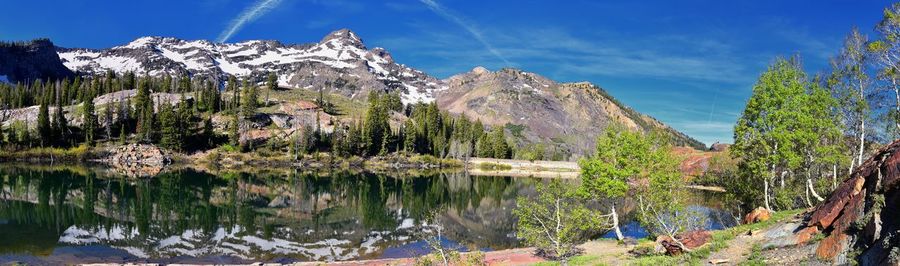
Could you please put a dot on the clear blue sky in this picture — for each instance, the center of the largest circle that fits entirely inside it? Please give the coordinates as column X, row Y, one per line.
column 689, row 63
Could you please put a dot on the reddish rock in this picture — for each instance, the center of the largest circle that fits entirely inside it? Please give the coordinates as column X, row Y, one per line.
column 856, row 201
column 757, row 215
column 695, row 239
column 805, row 234
column 690, row 240
column 831, row 246
column 891, row 175
column 851, row 212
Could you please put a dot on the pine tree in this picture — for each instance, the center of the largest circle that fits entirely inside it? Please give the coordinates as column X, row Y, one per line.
column 144, row 109
column 169, row 131
column 249, row 99
column 90, row 121
column 208, row 132
column 60, row 127
column 376, row 125
column 43, row 125
column 500, row 146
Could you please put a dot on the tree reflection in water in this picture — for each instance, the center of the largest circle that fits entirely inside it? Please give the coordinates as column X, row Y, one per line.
column 287, row 216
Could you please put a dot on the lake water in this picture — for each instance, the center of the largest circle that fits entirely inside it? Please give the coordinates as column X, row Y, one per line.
column 77, row 214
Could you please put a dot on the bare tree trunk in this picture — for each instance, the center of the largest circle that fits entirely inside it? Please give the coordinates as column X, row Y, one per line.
column 862, row 139
column 615, row 220
column 766, row 193
column 806, row 197
column 809, row 186
column 833, row 176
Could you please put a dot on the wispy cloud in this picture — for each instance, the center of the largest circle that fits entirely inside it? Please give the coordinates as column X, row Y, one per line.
column 249, row 14
column 470, row 27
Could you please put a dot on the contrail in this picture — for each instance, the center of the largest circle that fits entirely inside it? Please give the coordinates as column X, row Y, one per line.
column 251, row 13
column 443, row 12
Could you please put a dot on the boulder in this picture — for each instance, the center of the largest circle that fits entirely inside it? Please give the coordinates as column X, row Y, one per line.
column 690, row 240
column 695, row 239
column 138, row 160
column 667, row 245
column 757, row 215
column 143, row 154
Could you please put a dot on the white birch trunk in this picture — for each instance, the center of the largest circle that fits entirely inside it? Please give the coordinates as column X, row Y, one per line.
column 766, row 193
column 615, row 220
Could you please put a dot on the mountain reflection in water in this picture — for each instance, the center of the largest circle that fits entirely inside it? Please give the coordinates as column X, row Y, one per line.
column 79, row 214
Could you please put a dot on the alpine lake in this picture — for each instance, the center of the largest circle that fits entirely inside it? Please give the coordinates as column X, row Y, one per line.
column 64, row 214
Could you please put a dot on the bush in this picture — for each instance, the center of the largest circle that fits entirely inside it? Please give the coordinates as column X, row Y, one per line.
column 489, row 166
column 556, row 203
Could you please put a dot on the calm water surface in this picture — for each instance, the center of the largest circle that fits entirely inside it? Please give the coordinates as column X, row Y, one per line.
column 75, row 214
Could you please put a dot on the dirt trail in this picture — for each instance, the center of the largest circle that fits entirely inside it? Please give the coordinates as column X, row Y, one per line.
column 737, row 251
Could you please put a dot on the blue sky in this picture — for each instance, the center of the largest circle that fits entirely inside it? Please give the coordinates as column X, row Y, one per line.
column 689, row 63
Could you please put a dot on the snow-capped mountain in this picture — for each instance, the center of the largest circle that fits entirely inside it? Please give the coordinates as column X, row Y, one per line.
column 339, row 62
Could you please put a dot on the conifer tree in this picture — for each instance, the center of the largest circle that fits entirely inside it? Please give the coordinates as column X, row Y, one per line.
column 90, row 121
column 249, row 100
column 43, row 125
column 60, row 127
column 169, row 131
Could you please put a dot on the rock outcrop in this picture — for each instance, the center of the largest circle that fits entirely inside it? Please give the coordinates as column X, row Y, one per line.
column 138, row 160
column 862, row 216
column 27, row 61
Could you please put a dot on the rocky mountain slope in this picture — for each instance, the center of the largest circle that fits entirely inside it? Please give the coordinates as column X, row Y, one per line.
column 537, row 109
column 26, row 61
column 566, row 116
column 340, row 62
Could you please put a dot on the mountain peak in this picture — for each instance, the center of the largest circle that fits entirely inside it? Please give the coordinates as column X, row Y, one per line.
column 480, row 70
column 345, row 36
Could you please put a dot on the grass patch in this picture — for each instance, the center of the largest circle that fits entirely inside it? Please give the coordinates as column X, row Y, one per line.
column 429, row 159
column 77, row 153
column 489, row 166
column 755, row 258
column 719, row 241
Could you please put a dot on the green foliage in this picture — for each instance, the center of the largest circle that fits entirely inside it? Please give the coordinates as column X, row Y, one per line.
column 555, row 221
column 642, row 166
column 43, row 125
column 170, row 134
column 249, row 99
column 789, row 126
column 90, row 122
column 489, row 166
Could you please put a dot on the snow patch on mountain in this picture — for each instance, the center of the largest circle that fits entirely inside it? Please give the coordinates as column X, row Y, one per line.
column 320, row 65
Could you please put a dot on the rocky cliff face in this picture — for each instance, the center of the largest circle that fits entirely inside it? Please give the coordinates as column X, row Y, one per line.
column 862, row 214
column 27, row 61
column 537, row 109
column 340, row 62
